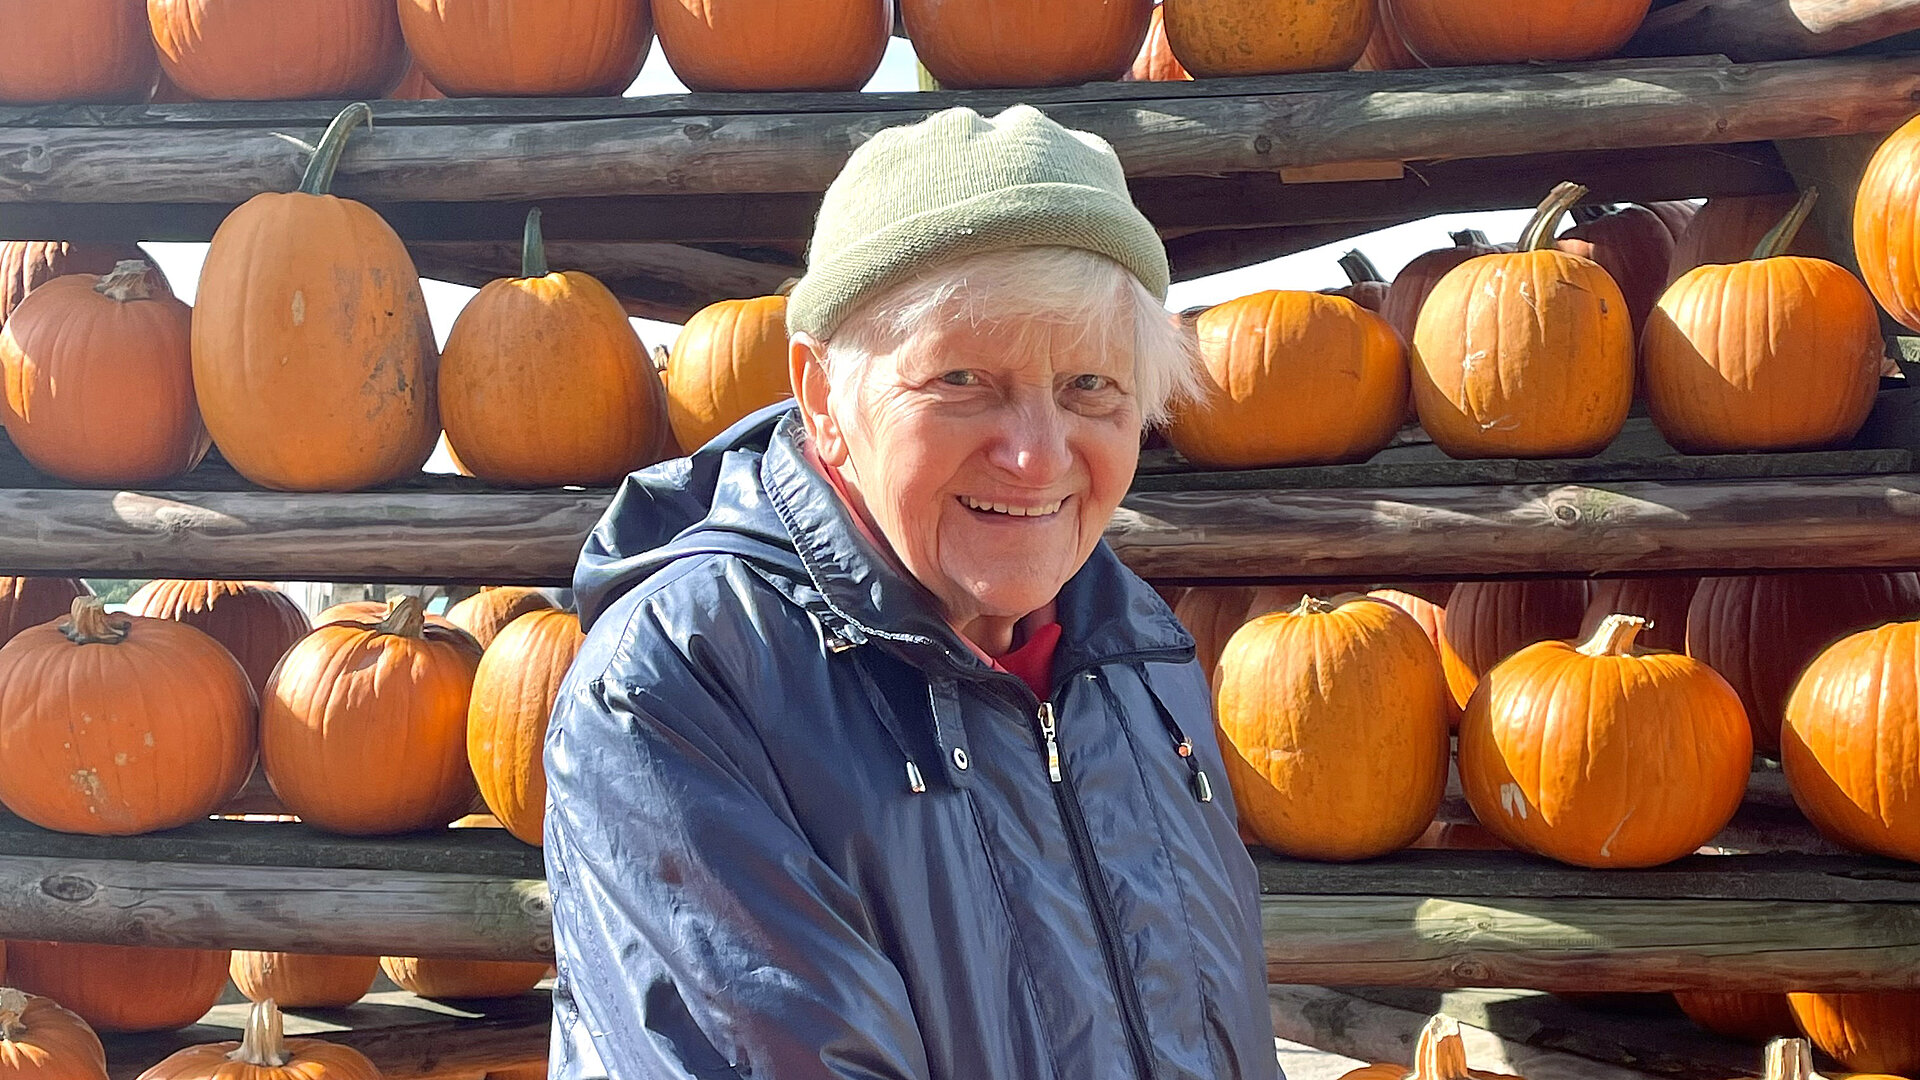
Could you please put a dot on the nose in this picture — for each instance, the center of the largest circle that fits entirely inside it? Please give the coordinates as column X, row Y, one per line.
column 1032, row 442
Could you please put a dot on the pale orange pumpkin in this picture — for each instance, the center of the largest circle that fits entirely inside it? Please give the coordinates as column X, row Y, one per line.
column 1872, row 1032
column 1336, row 371
column 774, row 45
column 255, row 620
column 514, row 691
column 116, row 725
column 278, row 50
column 1240, row 37
column 30, row 601
column 1851, row 742
column 487, row 612
column 1340, row 712
column 1748, row 1017
column 1528, row 354
column 1451, row 33
column 1211, row 613
column 1432, row 618
column 1662, row 601
column 1885, row 211
column 414, row 86
column 98, row 375
column 121, row 988
column 1439, row 1055
column 75, row 50
column 729, row 361
column 1727, row 229
column 313, row 358
column 528, row 48
column 1488, row 621
column 1156, row 62
column 431, row 977
column 372, row 611
column 363, row 728
column 1018, row 43
column 1599, row 755
column 303, row 980
column 25, row 265
column 265, row 1053
column 1778, row 352
column 544, row 382
column 39, row 1040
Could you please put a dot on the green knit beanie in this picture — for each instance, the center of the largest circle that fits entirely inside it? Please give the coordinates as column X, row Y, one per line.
column 958, row 184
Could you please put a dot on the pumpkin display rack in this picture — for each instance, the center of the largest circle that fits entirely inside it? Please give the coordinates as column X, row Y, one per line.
column 679, row 201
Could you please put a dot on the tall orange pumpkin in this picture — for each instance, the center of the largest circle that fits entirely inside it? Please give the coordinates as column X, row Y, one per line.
column 1211, row 613
column 1488, row 621
column 1775, row 353
column 1528, row 354
column 313, row 358
column 431, row 977
column 25, row 265
column 363, row 729
column 729, row 361
column 1432, row 618
column 98, row 377
column 115, row 726
column 1885, row 212
column 1760, row 632
column 1340, row 713
column 255, row 620
column 1018, row 43
column 1632, row 244
column 544, row 382
column 774, row 45
column 1243, row 37
column 75, row 50
column 487, row 612
column 1748, row 1017
column 513, row 695
column 121, row 988
column 1599, row 755
column 1451, row 33
column 1440, row 1054
column 278, row 50
column 528, row 48
column 1850, row 745
column 303, row 980
column 1336, row 371
column 1727, row 229
column 1876, row 1032
column 264, row 1053
column 1415, row 282
column 1156, row 62
column 40, row 1040
column 1662, row 601
column 30, row 601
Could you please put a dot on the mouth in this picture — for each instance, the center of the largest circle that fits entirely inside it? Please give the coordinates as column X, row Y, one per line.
column 988, row 508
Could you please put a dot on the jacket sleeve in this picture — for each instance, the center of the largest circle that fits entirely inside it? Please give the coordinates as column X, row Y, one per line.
column 697, row 932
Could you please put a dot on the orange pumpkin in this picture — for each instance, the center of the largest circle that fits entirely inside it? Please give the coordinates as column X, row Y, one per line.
column 1775, row 353
column 1340, row 712
column 1440, row 1055
column 1432, row 618
column 1632, row 244
column 1488, row 621
column 1336, row 370
column 1876, row 1032
column 1761, row 632
column 1211, row 613
column 363, row 729
column 513, row 695
column 26, row 265
column 1851, row 742
column 1018, row 43
column 414, row 86
column 264, row 1053
column 1156, row 62
column 1364, row 284
column 99, row 380
column 516, row 416
column 729, row 361
column 774, row 45
column 1415, row 282
column 1600, row 755
column 115, row 726
column 1884, row 215
column 1727, row 229
column 372, row 611
column 1748, row 1017
column 1792, row 1059
column 30, row 601
column 121, row 988
column 1662, row 601
column 1528, row 354
column 39, row 1040
column 528, row 48
column 1452, row 33
column 255, row 620
column 75, row 50
column 436, row 978
column 1241, row 37
column 487, row 612
column 303, row 980
column 278, row 50
column 313, row 358
column 1386, row 49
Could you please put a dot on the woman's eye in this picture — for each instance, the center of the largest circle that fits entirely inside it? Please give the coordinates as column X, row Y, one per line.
column 959, row 378
column 1090, row 383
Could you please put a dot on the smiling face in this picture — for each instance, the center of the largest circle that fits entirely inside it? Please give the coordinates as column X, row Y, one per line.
column 990, row 457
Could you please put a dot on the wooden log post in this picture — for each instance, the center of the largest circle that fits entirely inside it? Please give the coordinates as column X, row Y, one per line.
column 1749, row 30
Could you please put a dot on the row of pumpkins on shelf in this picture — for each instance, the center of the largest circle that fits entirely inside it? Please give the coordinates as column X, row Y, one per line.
column 1575, row 742
column 225, row 50
column 119, row 725
column 1440, row 1053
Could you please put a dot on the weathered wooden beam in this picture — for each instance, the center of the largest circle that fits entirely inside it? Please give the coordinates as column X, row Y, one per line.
column 1409, row 117
column 668, row 282
column 1749, row 30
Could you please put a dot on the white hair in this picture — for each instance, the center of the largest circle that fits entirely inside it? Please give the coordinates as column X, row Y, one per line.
column 1038, row 289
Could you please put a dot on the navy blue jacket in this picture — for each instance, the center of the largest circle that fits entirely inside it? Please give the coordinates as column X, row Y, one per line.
column 797, row 829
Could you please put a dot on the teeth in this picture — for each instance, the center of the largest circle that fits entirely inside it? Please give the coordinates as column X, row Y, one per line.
column 1013, row 511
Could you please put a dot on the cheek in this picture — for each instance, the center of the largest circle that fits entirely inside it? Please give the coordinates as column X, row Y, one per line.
column 1111, row 454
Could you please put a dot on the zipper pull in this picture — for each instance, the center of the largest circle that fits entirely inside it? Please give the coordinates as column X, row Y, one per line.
column 1047, row 732
column 1202, row 788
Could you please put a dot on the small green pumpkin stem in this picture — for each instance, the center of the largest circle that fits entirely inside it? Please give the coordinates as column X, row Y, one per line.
column 89, row 624
column 1781, row 237
column 1789, row 1059
column 1470, row 238
column 533, row 248
column 1313, row 605
column 1538, row 235
column 1615, row 636
column 406, row 618
column 13, row 1008
column 263, row 1044
column 126, row 282
column 326, row 158
column 1359, row 268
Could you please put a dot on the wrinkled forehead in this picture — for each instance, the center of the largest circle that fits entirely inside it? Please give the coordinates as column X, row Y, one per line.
column 1035, row 343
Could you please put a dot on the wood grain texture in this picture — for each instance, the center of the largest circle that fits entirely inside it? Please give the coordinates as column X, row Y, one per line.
column 668, row 282
column 470, row 852
column 1749, row 30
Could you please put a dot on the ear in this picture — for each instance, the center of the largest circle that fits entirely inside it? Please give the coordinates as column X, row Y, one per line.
column 813, row 390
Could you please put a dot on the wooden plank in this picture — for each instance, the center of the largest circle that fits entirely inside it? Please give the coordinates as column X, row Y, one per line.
column 668, row 282
column 471, row 852
column 1750, row 30
column 1426, row 115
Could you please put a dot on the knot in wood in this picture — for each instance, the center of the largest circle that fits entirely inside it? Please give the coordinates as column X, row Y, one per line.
column 1471, row 972
column 1263, row 144
column 1566, row 514
column 696, row 132
column 68, row 887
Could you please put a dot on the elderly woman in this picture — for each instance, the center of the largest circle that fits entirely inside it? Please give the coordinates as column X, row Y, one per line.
column 876, row 762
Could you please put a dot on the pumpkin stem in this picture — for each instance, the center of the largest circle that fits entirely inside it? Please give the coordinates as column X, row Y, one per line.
column 1789, row 1059
column 1470, row 238
column 1538, row 235
column 1615, row 636
column 661, row 358
column 1313, row 605
column 533, row 248
column 1588, row 213
column 13, row 1006
column 263, row 1044
column 1781, row 237
column 126, row 282
column 326, row 158
column 405, row 618
column 89, row 624
column 1359, row 268
column 1441, row 1054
